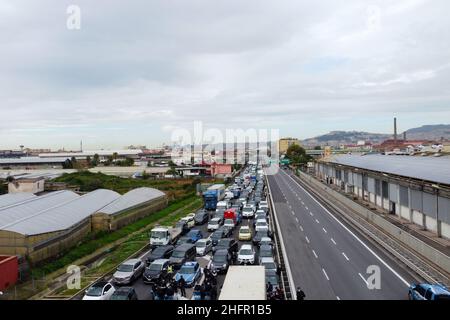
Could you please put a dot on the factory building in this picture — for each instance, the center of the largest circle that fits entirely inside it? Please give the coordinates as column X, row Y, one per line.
column 42, row 227
column 416, row 189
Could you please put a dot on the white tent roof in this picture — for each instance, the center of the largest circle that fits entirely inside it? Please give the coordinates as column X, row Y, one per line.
column 63, row 216
column 132, row 199
column 13, row 198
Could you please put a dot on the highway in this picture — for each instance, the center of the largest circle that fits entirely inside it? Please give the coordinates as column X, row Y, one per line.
column 328, row 258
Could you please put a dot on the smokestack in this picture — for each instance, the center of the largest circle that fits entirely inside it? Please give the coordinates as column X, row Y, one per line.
column 395, row 130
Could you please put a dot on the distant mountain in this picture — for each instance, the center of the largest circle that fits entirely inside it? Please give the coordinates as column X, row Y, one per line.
column 335, row 138
column 429, row 132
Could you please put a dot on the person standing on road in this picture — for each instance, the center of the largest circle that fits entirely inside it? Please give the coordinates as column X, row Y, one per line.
column 300, row 294
column 182, row 286
column 269, row 288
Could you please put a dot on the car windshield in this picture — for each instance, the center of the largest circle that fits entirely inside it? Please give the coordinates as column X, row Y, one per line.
column 159, row 251
column 178, row 254
column 187, row 269
column 248, row 209
column 159, row 234
column 246, row 230
column 261, row 223
column 213, row 222
column 265, row 252
column 155, row 267
column 119, row 296
column 94, row 291
column 259, row 235
column 272, row 279
column 246, row 252
column 269, row 265
column 125, row 268
column 229, row 221
column 192, row 233
column 201, row 244
column 217, row 235
column 219, row 258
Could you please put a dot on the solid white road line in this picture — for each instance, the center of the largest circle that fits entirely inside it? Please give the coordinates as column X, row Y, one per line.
column 343, row 253
column 354, row 235
column 325, row 273
column 315, row 254
column 332, row 240
column 365, row 281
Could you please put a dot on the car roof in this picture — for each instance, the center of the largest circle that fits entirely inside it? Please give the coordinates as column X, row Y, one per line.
column 124, row 290
column 436, row 288
column 245, row 227
column 131, row 261
column 184, row 246
column 160, row 261
column 190, row 263
column 215, row 219
column 221, row 252
column 246, row 246
column 100, row 284
column 267, row 260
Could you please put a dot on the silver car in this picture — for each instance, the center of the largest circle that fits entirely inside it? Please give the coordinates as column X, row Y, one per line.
column 203, row 246
column 128, row 271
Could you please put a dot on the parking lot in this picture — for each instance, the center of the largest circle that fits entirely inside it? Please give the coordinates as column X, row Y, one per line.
column 143, row 291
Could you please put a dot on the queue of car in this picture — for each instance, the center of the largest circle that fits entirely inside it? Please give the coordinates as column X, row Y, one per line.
column 245, row 200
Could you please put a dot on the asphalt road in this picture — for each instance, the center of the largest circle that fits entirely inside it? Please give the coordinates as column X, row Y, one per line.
column 328, row 259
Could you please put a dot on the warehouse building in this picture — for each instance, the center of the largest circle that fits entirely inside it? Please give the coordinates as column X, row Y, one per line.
column 42, row 227
column 130, row 207
column 416, row 189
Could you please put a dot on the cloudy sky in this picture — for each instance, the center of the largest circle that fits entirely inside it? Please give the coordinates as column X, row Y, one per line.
column 136, row 70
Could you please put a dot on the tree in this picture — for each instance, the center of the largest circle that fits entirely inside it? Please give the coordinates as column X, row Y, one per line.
column 297, row 155
column 89, row 161
column 95, row 160
column 317, row 148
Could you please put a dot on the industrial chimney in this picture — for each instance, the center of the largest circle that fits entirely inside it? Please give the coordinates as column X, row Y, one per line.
column 395, row 130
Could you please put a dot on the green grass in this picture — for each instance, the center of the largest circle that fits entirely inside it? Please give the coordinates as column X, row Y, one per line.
column 101, row 239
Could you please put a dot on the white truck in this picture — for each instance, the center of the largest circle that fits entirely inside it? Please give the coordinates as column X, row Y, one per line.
column 220, row 188
column 161, row 235
column 244, row 283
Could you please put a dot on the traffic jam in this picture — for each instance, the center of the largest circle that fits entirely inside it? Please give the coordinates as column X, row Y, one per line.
column 190, row 261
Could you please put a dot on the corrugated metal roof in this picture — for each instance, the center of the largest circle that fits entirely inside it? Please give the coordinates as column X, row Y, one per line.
column 131, row 199
column 64, row 216
column 32, row 160
column 27, row 208
column 12, row 198
column 434, row 169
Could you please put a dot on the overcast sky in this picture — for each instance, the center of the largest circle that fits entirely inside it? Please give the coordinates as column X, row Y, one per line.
column 138, row 69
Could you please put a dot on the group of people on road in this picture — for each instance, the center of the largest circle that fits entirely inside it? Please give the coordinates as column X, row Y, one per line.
column 274, row 294
column 169, row 288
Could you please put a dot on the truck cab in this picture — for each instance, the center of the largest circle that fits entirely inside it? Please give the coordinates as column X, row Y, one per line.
column 210, row 199
column 161, row 236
